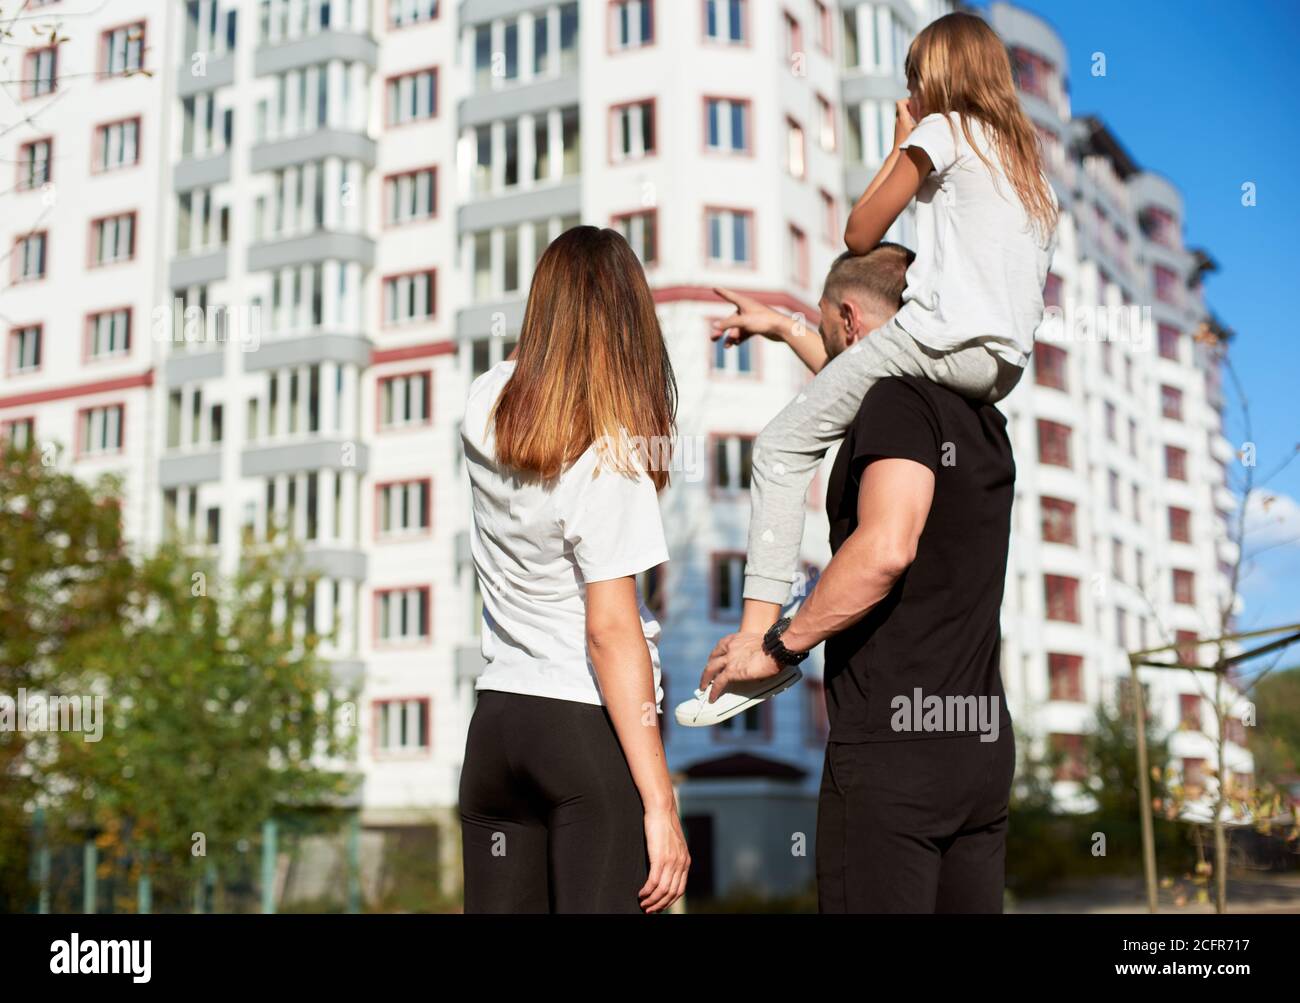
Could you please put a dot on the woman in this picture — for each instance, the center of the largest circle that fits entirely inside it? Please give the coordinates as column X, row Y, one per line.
column 565, row 790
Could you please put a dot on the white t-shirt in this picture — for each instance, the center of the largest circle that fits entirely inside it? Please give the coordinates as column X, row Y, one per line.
column 535, row 547
column 980, row 264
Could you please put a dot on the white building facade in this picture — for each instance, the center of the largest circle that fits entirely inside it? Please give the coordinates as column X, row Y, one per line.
column 349, row 197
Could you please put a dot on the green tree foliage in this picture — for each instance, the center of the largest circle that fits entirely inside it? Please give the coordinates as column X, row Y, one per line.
column 217, row 712
column 1275, row 741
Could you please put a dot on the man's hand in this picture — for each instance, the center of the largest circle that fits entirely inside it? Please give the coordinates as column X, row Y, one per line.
column 751, row 318
column 737, row 658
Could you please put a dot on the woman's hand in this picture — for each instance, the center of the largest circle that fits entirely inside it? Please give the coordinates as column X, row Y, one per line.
column 904, row 121
column 669, row 860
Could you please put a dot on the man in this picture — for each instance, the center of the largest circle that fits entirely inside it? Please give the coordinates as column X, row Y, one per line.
column 912, row 812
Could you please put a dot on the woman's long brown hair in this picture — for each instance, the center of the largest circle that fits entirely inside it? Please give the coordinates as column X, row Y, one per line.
column 591, row 366
column 958, row 64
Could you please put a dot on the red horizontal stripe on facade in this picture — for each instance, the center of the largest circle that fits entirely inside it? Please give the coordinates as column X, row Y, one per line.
column 139, row 380
column 425, row 351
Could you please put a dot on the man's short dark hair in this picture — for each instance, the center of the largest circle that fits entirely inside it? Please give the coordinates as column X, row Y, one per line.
column 881, row 273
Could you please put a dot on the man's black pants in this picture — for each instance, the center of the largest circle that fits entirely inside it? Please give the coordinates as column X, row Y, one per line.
column 915, row 825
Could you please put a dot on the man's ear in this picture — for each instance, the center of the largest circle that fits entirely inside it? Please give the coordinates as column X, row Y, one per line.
column 851, row 319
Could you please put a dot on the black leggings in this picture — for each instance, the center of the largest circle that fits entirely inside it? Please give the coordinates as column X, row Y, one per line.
column 915, row 825
column 551, row 820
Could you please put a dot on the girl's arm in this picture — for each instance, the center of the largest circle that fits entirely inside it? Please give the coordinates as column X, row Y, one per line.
column 617, row 647
column 886, row 198
column 895, row 185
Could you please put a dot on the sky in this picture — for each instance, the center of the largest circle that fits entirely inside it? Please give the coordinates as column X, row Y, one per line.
column 1205, row 93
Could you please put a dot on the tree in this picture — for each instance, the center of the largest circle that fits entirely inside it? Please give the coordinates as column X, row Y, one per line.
column 65, row 582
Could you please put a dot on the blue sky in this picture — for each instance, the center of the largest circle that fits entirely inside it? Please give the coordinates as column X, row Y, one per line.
column 1205, row 94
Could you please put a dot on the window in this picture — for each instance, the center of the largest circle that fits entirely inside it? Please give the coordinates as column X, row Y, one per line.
column 1117, row 559
column 1053, row 443
column 41, row 72
column 409, row 298
column 568, row 38
column 1033, row 74
column 1050, row 366
column 1052, row 290
column 641, row 230
column 113, row 239
column 632, row 130
column 1112, row 489
column 799, row 266
column 1169, row 344
column 732, row 462
column 404, row 400
column 730, row 236
column 411, row 196
column 1062, row 596
column 1171, row 403
column 117, row 144
column 1111, row 421
column 793, row 36
column 1068, row 750
column 402, row 507
column 1058, row 521
column 632, row 23
column 1184, row 587
column 1180, row 524
column 109, row 334
column 34, row 164
column 29, row 257
column 100, row 430
column 404, row 13
column 402, row 614
column 737, row 360
column 728, row 584
column 1194, row 776
column 795, row 157
column 1189, row 712
column 25, row 349
column 402, row 725
column 650, row 587
column 852, row 51
column 1166, row 283
column 122, row 50
column 1175, row 463
column 18, row 432
column 1065, row 677
column 412, row 97
column 726, row 20
column 1188, row 650
column 726, row 125
column 825, row 124
column 830, row 219
column 822, row 14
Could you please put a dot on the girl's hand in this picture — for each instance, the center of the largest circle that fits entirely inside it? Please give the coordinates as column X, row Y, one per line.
column 904, row 121
column 669, row 860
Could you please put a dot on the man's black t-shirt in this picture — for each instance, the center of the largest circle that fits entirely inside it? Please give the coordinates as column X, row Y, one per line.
column 937, row 633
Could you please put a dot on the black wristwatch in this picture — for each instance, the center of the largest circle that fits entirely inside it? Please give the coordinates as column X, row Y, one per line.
column 774, row 648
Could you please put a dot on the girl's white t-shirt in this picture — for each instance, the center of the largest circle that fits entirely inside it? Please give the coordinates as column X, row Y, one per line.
column 535, row 548
column 980, row 264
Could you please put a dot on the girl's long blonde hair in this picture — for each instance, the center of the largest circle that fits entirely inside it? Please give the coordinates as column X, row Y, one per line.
column 591, row 367
column 958, row 64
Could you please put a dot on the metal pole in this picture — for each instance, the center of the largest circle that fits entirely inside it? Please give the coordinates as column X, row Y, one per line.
column 269, row 854
column 1144, row 788
column 89, row 876
column 354, row 863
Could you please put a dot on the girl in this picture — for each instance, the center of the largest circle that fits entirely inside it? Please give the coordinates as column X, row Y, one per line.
column 564, row 790
column 986, row 220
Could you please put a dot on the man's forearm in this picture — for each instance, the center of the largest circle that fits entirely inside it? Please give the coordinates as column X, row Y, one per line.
column 805, row 343
column 859, row 576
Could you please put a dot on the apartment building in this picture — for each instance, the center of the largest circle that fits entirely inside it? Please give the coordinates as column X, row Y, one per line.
column 322, row 225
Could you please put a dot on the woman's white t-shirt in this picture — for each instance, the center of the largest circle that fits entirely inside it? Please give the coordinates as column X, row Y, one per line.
column 535, row 547
column 980, row 265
